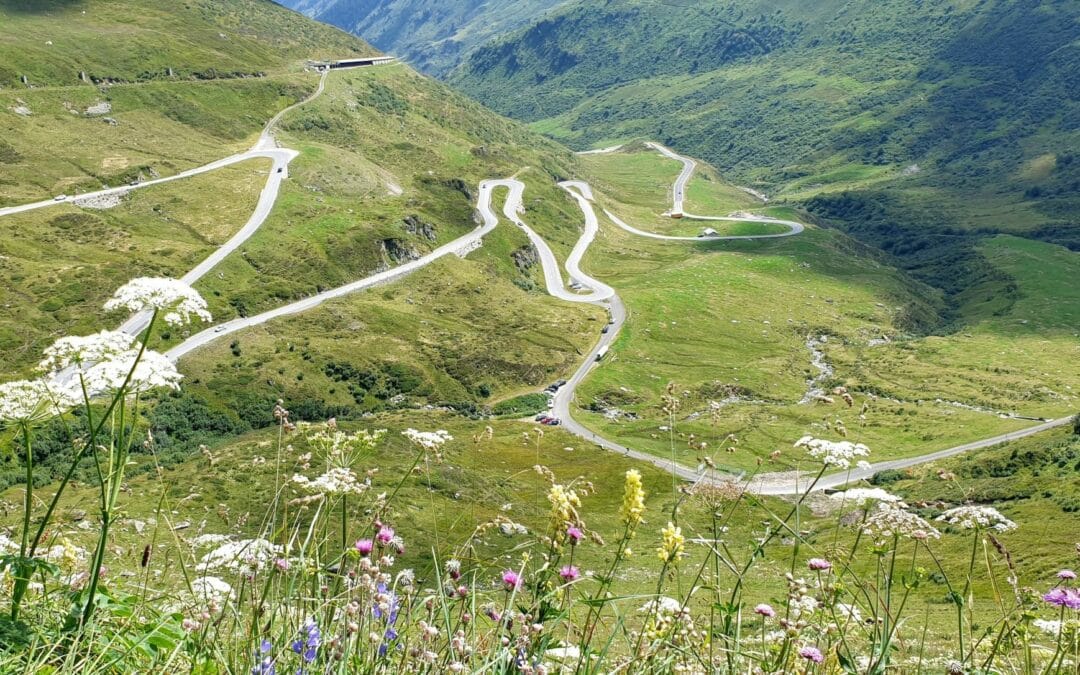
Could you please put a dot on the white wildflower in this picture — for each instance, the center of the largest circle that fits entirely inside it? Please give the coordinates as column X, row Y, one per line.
column 33, row 400
column 663, row 604
column 209, row 539
column 177, row 300
column 803, row 606
column 152, row 371
column 83, row 351
column 862, row 495
column 889, row 521
column 245, row 556
column 833, row 453
column 429, row 440
column 336, row 481
column 977, row 517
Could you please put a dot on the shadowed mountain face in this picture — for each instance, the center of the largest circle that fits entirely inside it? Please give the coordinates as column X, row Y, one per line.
column 432, row 35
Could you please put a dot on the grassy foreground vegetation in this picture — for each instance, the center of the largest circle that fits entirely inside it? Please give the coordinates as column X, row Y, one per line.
column 246, row 559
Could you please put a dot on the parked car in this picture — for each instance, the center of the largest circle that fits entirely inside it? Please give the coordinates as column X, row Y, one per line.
column 553, row 421
column 605, row 329
column 59, row 198
column 541, row 417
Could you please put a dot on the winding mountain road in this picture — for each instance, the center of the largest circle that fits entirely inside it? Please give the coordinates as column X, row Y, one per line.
column 596, row 292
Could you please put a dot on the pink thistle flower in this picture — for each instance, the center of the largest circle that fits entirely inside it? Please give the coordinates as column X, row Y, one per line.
column 385, row 535
column 575, row 535
column 819, row 564
column 569, row 573
column 282, row 564
column 765, row 610
column 812, row 654
column 1066, row 575
column 512, row 580
column 364, row 547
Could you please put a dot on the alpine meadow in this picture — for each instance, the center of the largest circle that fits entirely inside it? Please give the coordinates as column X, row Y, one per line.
column 540, row 337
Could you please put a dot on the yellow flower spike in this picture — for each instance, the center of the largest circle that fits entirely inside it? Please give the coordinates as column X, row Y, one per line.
column 633, row 504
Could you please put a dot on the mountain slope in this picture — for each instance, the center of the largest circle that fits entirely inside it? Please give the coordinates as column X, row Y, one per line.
column 51, row 42
column 432, row 35
column 942, row 119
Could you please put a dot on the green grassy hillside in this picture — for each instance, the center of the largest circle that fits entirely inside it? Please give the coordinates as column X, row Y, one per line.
column 917, row 127
column 50, row 42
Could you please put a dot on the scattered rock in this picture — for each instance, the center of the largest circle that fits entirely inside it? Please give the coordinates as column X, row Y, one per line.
column 525, row 257
column 21, row 110
column 99, row 108
column 413, row 225
column 182, row 525
column 101, row 202
column 398, row 250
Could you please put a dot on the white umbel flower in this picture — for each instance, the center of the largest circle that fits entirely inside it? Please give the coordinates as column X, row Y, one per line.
column 245, row 556
column 890, row 521
column 177, row 300
column 27, row 401
column 211, row 590
column 336, row 481
column 153, row 371
column 430, row 440
column 832, row 453
column 83, row 351
column 977, row 517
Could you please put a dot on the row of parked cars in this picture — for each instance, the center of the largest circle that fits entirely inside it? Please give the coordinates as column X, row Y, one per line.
column 551, row 390
column 554, row 386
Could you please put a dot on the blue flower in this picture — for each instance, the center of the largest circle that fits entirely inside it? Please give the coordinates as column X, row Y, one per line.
column 308, row 643
column 264, row 664
column 392, row 613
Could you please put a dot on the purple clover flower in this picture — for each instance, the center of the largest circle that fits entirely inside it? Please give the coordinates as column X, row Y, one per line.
column 512, row 580
column 385, row 535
